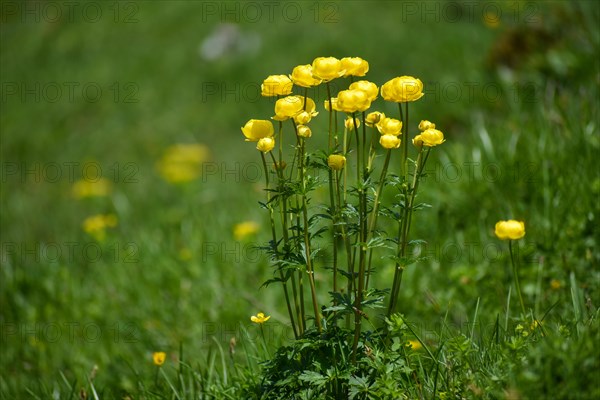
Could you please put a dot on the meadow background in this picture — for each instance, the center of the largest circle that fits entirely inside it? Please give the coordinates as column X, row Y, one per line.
column 96, row 90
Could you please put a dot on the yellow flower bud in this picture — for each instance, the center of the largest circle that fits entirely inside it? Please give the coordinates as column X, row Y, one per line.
column 304, row 131
column 265, row 144
column 432, row 137
column 389, row 126
column 374, row 117
column 349, row 124
column 354, row 66
column 369, row 88
column 336, row 162
column 510, row 229
column 333, row 104
column 352, row 101
column 279, row 165
column 389, row 141
column 302, row 76
column 327, row 68
column 418, row 141
column 303, row 118
column 256, row 129
column 424, row 125
column 276, row 85
column 402, row 89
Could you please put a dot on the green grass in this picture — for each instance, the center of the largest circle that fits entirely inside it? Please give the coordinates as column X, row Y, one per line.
column 530, row 155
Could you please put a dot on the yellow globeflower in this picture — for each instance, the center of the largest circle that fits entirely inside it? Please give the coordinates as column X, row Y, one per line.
column 256, row 129
column 373, row 118
column 336, row 162
column 327, row 68
column 302, row 75
column 389, row 141
column 354, row 66
column 265, row 144
column 333, row 104
column 349, row 124
column 350, row 101
column 276, row 85
column 424, row 125
column 259, row 318
column 304, row 131
column 159, row 358
column 432, row 137
column 389, row 126
column 510, row 229
column 288, row 107
column 402, row 89
column 369, row 88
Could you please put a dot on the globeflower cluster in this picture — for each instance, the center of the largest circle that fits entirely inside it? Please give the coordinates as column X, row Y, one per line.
column 364, row 152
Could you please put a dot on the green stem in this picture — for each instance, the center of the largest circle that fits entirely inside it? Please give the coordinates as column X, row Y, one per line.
column 362, row 223
column 516, row 277
column 307, row 246
column 275, row 249
column 284, row 219
column 375, row 212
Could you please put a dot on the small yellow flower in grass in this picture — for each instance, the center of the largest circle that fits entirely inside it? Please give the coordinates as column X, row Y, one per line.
column 350, row 101
column 424, row 125
column 159, row 358
column 265, row 144
column 336, row 162
column 276, row 85
column 389, row 141
column 510, row 229
column 349, row 124
column 182, row 162
column 402, row 89
column 414, row 344
column 354, row 66
column 259, row 318
column 555, row 284
column 256, row 129
column 96, row 225
column 244, row 229
column 369, row 88
column 389, row 126
column 327, row 68
column 302, row 75
column 87, row 188
column 373, row 118
column 304, row 131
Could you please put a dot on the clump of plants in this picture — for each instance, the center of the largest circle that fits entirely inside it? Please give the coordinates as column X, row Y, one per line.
column 343, row 325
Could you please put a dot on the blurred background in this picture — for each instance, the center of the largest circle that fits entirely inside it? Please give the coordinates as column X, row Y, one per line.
column 129, row 199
